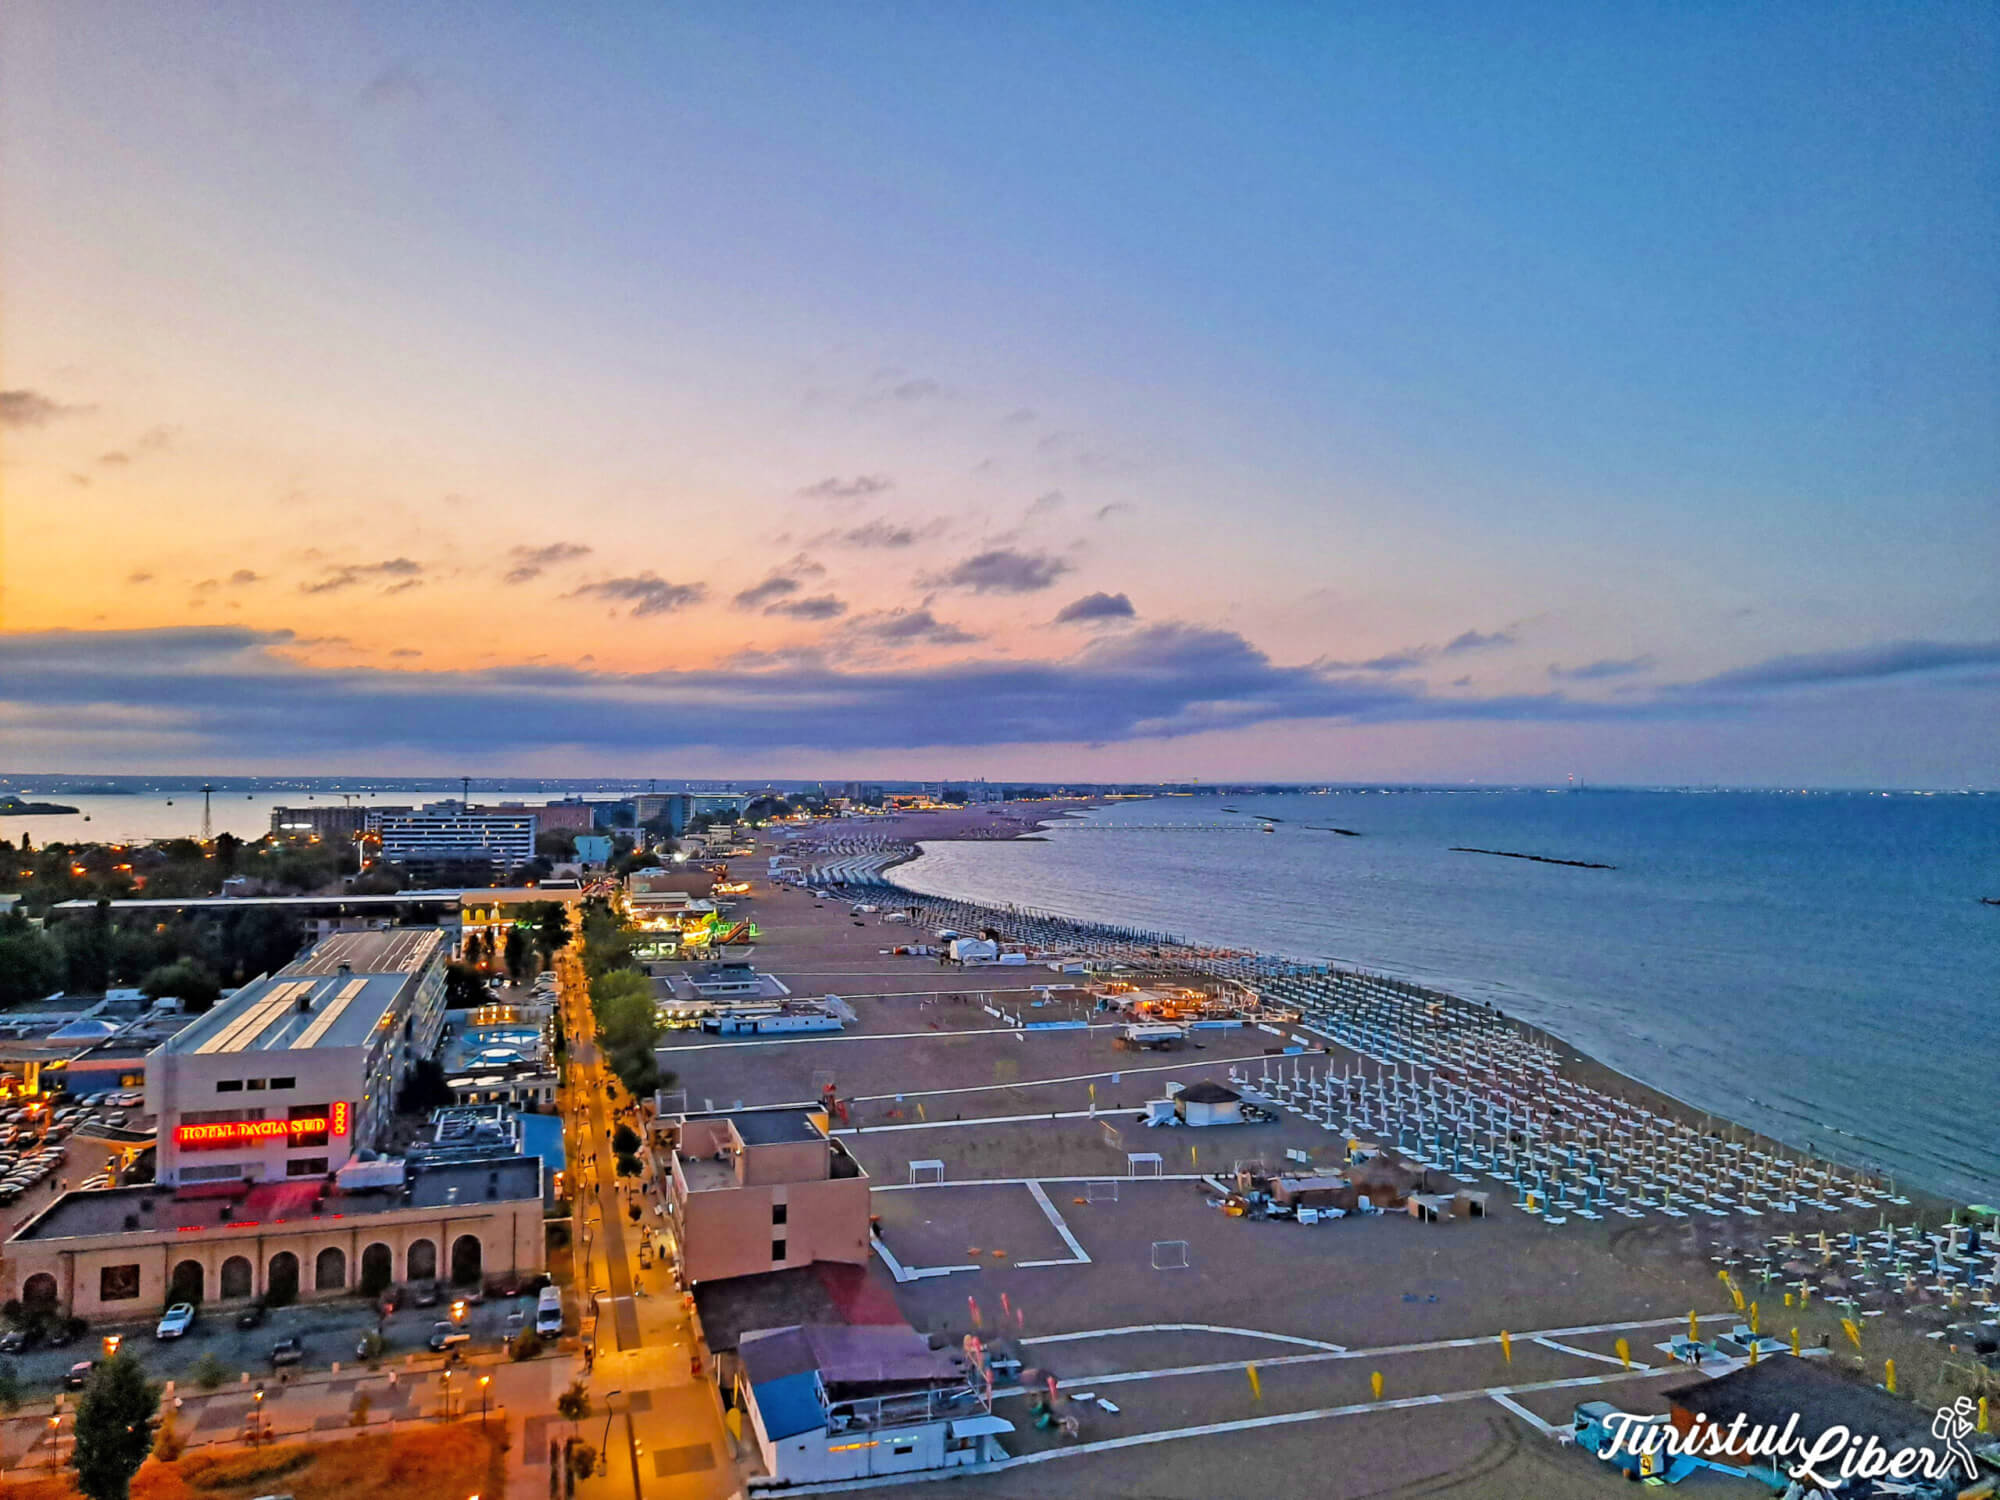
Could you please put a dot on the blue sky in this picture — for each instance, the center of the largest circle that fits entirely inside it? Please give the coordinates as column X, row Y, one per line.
column 828, row 357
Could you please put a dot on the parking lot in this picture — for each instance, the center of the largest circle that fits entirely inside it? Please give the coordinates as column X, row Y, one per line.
column 328, row 1331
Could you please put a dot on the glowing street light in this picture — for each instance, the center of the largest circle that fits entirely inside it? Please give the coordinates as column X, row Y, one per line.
column 484, row 1382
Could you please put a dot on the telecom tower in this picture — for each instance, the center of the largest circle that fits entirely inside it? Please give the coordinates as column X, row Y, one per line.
column 207, row 823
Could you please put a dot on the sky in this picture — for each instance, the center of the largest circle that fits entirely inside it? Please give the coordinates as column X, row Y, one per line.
column 1079, row 391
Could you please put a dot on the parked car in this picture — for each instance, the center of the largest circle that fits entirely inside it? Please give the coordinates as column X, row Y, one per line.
column 251, row 1316
column 424, row 1294
column 178, row 1320
column 16, row 1341
column 288, row 1351
column 447, row 1336
column 79, row 1374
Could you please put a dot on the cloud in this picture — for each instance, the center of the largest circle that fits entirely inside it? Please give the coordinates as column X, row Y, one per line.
column 531, row 562
column 923, row 389
column 1393, row 661
column 835, row 488
column 1858, row 664
column 1096, row 609
column 760, row 594
column 199, row 690
column 1019, row 415
column 152, row 440
column 140, row 577
column 1597, row 671
column 817, row 607
column 243, row 578
column 1002, row 570
column 877, row 533
column 911, row 627
column 347, row 575
column 1106, row 512
column 25, row 408
column 1472, row 640
column 647, row 593
column 394, row 86
column 1044, row 505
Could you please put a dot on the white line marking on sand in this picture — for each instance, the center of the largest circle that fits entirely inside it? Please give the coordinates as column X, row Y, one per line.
column 1546, row 1429
column 1049, row 1209
column 1609, row 1359
column 1214, row 1429
column 1248, row 1333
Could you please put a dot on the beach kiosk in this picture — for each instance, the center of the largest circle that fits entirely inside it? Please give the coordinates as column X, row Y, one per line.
column 1208, row 1103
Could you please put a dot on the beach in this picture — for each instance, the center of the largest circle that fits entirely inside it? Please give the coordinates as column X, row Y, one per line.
column 1164, row 1302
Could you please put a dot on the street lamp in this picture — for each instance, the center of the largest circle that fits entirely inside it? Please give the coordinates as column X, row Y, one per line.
column 446, row 1415
column 54, row 1423
column 605, row 1446
column 484, row 1382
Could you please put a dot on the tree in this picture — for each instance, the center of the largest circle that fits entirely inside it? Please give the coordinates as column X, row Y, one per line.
column 558, row 844
column 184, row 980
column 168, row 1444
column 114, row 1428
column 10, row 1388
column 573, row 1405
column 463, row 988
column 624, row 1140
column 31, row 964
column 424, row 1088
column 209, row 1371
column 628, row 1165
column 517, row 954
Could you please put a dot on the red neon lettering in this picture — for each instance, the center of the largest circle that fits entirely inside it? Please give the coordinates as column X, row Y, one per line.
column 236, row 1132
column 339, row 1126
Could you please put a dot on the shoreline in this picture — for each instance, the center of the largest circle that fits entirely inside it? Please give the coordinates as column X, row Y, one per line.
column 1578, row 1064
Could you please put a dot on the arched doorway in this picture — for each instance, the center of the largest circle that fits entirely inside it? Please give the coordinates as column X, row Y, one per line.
column 236, row 1277
column 186, row 1284
column 330, row 1270
column 423, row 1260
column 465, row 1260
column 378, row 1269
column 281, row 1282
column 38, row 1294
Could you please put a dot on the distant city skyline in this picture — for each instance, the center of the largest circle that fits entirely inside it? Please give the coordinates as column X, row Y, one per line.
column 1100, row 393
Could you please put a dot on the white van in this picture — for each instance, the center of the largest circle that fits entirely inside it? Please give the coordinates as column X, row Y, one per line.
column 549, row 1313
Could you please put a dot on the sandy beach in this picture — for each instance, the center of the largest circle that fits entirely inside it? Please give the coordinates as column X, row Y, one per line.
column 1023, row 1122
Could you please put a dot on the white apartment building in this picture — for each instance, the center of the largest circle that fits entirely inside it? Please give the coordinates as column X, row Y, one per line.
column 449, row 832
column 294, row 1073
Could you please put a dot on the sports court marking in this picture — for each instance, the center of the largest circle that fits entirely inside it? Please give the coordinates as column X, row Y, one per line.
column 1078, row 1256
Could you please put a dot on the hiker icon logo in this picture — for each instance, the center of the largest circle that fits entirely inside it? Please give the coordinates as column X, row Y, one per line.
column 1951, row 1426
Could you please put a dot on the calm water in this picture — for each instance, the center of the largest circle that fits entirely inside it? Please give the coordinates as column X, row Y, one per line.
column 1818, row 967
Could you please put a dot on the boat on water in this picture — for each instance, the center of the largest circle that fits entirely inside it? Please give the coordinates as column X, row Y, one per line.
column 1267, row 828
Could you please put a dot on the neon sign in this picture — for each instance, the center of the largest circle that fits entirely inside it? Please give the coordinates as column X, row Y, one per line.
column 245, row 1132
column 338, row 1125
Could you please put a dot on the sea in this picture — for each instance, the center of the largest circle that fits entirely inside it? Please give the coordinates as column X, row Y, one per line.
column 1817, row 966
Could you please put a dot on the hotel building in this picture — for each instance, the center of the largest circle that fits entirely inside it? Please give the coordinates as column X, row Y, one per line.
column 293, row 1074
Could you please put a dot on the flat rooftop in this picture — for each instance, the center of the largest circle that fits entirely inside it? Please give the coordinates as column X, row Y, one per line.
column 316, row 1002
column 81, row 1215
column 771, row 1127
